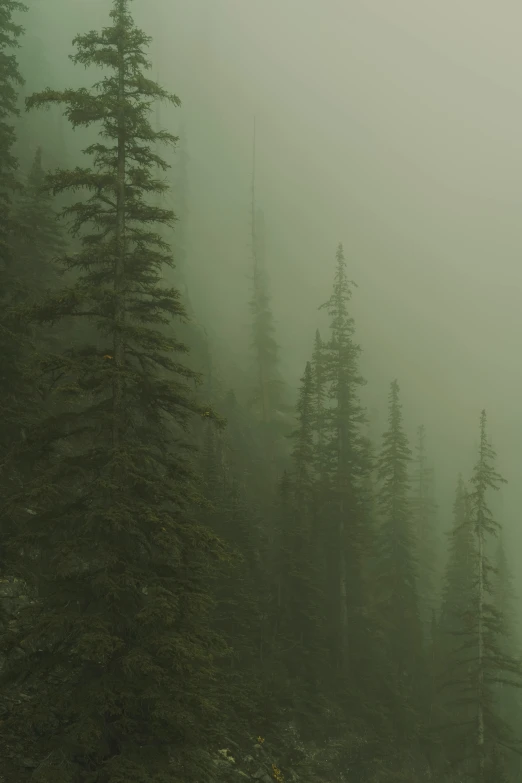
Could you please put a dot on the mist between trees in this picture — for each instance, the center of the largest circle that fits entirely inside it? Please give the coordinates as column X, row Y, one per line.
column 198, row 562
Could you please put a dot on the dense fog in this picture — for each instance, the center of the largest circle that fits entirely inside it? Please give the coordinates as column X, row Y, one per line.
column 393, row 128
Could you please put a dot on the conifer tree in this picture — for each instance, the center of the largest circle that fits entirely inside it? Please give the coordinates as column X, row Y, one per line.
column 119, row 651
column 396, row 573
column 41, row 240
column 459, row 580
column 479, row 662
column 268, row 387
column 342, row 419
column 509, row 700
column 424, row 510
column 319, row 400
column 16, row 381
column 298, row 628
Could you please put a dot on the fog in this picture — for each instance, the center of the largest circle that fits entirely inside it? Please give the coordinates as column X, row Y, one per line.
column 395, row 128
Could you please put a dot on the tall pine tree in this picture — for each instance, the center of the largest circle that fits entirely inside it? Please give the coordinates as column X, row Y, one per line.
column 118, row 661
column 396, row 576
column 479, row 662
column 424, row 518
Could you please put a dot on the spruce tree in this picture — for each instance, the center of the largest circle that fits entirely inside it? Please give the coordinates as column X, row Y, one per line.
column 479, row 662
column 341, row 424
column 41, row 241
column 298, row 599
column 16, row 380
column 509, row 699
column 396, row 575
column 118, row 649
column 268, row 385
column 424, row 510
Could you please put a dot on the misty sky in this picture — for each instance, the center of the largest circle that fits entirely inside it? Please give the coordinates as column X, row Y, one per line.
column 394, row 127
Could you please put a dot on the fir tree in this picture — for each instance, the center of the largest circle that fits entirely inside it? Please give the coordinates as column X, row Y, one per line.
column 298, row 628
column 453, row 714
column 479, row 662
column 268, row 386
column 342, row 419
column 119, row 651
column 16, row 381
column 41, row 241
column 397, row 572
column 424, row 518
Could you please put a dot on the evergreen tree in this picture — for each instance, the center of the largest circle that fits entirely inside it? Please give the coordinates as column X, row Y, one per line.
column 509, row 699
column 118, row 649
column 424, row 517
column 397, row 574
column 16, row 381
column 479, row 662
column 41, row 241
column 268, row 387
column 342, row 421
column 453, row 714
column 298, row 628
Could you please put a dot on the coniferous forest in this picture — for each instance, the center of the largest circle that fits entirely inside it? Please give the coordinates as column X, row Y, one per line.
column 203, row 580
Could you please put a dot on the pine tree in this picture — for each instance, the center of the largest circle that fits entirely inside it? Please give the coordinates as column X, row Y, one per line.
column 41, row 241
column 298, row 599
column 268, row 387
column 10, row 81
column 452, row 714
column 396, row 574
column 342, row 419
column 479, row 662
column 16, row 381
column 509, row 700
column 118, row 661
column 424, row 517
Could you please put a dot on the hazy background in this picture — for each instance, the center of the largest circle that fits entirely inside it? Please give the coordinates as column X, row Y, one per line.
column 394, row 127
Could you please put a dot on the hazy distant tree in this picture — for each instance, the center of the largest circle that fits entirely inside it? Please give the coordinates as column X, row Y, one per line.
column 298, row 599
column 396, row 573
column 424, row 511
column 319, row 402
column 16, row 381
column 479, row 662
column 268, row 385
column 41, row 240
column 341, row 424
column 118, row 648
column 509, row 699
column 10, row 81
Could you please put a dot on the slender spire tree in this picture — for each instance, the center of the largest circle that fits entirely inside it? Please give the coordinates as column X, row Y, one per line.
column 41, row 241
column 479, row 662
column 424, row 511
column 119, row 650
column 17, row 394
column 268, row 387
column 345, row 533
column 397, row 572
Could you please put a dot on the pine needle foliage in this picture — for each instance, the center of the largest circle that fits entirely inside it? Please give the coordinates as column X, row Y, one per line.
column 118, row 653
column 396, row 573
column 479, row 662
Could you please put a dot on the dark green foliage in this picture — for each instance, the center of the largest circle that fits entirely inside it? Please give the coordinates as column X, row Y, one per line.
column 479, row 735
column 424, row 511
column 40, row 242
column 298, row 632
column 10, row 81
column 396, row 574
column 118, row 664
column 340, row 420
column 268, row 386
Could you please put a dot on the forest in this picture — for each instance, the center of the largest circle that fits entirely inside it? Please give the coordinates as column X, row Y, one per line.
column 204, row 574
